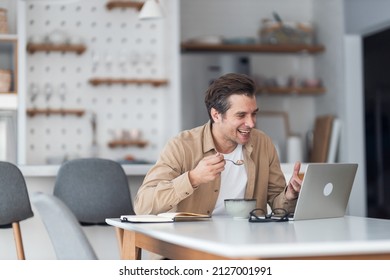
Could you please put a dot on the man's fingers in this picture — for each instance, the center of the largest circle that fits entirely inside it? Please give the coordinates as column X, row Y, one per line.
column 297, row 167
column 295, row 186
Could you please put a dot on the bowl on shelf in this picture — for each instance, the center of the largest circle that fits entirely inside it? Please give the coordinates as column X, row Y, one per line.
column 239, row 208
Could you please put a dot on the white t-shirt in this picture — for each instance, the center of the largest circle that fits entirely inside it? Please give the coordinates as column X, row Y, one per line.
column 233, row 181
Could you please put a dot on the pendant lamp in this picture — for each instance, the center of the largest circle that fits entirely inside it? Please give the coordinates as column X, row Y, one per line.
column 150, row 10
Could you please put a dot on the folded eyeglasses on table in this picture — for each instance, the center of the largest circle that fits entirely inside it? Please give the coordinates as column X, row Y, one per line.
column 258, row 215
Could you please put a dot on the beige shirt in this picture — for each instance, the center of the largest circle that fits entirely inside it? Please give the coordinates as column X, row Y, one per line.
column 167, row 186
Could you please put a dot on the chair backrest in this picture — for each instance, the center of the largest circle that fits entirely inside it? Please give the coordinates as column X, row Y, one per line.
column 94, row 189
column 65, row 232
column 14, row 202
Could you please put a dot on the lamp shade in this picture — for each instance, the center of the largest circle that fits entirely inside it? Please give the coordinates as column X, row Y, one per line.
column 150, row 10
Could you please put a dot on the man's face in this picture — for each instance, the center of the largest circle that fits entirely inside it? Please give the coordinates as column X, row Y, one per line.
column 235, row 126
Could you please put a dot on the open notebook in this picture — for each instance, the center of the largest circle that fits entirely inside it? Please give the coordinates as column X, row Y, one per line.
column 164, row 217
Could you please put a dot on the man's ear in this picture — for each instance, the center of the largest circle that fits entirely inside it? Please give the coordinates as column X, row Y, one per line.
column 215, row 115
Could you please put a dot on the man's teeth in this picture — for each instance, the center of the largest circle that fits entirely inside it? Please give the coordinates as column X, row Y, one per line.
column 244, row 131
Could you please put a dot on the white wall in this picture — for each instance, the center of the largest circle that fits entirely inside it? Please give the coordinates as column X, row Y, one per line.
column 366, row 16
column 231, row 18
column 341, row 68
column 353, row 139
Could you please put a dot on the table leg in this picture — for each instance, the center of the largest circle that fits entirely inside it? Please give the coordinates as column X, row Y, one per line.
column 119, row 237
column 129, row 249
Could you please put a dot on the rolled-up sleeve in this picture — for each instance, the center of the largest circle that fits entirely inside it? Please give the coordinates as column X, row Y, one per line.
column 166, row 184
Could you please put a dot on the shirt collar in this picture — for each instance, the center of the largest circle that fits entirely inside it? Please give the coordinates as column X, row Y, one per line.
column 208, row 141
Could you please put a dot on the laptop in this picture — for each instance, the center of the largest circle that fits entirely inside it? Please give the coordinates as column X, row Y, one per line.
column 325, row 191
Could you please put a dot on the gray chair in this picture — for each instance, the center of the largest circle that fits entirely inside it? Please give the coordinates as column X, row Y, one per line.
column 14, row 202
column 94, row 189
column 65, row 232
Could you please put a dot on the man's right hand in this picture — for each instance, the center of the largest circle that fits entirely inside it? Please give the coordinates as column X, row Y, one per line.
column 207, row 170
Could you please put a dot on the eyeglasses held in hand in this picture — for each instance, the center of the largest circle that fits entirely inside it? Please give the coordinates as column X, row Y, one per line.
column 258, row 215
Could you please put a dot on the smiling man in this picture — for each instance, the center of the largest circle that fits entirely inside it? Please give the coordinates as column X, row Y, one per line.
column 193, row 173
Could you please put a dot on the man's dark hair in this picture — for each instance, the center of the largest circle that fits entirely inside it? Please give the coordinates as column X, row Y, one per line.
column 220, row 89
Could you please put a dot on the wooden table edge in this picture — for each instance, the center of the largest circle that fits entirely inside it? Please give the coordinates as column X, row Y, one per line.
column 134, row 242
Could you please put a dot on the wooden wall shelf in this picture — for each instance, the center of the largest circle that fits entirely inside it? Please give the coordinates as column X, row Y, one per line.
column 124, row 4
column 33, row 112
column 110, row 81
column 32, row 48
column 291, row 90
column 124, row 143
column 256, row 48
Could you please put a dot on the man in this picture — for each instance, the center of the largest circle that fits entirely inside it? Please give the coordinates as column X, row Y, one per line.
column 192, row 174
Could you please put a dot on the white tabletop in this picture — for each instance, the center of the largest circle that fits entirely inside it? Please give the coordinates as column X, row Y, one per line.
column 234, row 238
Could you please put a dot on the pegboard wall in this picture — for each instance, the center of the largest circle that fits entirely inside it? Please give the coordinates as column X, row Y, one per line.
column 119, row 46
